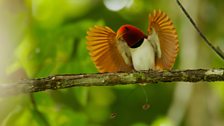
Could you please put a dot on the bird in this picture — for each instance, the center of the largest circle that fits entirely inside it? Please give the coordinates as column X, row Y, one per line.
column 131, row 49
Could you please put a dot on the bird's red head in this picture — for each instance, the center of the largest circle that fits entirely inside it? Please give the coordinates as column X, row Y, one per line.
column 130, row 34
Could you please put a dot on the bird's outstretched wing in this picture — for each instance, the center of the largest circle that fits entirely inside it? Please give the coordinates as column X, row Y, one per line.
column 101, row 43
column 168, row 39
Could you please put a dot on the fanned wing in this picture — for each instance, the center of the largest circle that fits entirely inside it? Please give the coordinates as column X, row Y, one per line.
column 102, row 47
column 168, row 39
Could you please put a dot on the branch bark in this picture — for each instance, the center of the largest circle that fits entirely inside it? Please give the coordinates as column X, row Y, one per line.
column 110, row 79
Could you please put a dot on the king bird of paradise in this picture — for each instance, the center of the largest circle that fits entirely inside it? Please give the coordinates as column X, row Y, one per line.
column 130, row 49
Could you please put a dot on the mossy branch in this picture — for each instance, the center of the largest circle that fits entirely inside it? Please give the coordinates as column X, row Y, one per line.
column 110, row 79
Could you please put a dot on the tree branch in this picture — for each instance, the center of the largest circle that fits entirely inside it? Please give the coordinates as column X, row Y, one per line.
column 110, row 79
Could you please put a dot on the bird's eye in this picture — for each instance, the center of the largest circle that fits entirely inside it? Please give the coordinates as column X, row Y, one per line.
column 126, row 28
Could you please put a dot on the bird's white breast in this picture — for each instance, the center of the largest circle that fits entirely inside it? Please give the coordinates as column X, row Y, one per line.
column 143, row 57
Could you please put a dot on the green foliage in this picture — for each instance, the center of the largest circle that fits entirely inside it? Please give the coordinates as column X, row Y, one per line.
column 162, row 122
column 53, row 42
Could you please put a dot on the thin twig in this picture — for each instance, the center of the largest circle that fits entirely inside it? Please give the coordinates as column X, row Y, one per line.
column 110, row 79
column 217, row 50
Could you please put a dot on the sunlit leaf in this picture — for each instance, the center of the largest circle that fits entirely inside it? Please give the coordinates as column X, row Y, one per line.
column 163, row 121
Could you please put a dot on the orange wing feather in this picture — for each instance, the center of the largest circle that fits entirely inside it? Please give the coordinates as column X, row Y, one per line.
column 168, row 39
column 102, row 46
